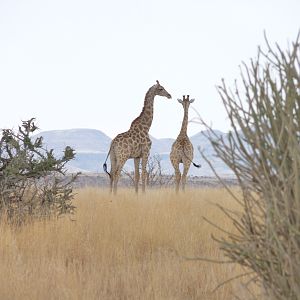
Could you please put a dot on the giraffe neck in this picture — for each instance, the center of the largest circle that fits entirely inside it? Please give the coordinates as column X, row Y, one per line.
column 183, row 131
column 146, row 116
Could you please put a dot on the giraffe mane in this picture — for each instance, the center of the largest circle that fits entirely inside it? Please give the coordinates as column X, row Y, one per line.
column 143, row 110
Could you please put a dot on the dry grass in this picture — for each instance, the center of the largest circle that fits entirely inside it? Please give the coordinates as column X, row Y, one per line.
column 127, row 248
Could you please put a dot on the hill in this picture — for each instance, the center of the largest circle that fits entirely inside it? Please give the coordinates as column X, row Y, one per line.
column 91, row 147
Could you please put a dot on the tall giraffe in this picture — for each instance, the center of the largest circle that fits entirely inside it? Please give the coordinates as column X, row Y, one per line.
column 134, row 143
column 182, row 149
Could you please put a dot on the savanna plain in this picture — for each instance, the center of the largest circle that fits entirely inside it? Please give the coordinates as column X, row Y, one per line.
column 122, row 247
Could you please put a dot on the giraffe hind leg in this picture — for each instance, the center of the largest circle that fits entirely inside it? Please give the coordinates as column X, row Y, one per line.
column 177, row 176
column 113, row 161
column 184, row 174
column 117, row 174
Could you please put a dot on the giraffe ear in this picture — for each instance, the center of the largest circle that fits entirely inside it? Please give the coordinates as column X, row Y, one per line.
column 192, row 100
column 180, row 101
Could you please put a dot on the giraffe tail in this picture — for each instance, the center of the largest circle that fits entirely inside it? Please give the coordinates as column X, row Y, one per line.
column 105, row 165
column 105, row 169
column 195, row 165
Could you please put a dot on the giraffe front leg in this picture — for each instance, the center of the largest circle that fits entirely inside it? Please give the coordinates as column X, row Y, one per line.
column 144, row 170
column 136, row 173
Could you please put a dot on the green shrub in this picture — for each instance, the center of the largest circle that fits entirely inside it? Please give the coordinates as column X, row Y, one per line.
column 32, row 179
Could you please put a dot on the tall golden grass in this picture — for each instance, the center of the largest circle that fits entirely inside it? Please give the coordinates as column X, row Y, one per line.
column 122, row 247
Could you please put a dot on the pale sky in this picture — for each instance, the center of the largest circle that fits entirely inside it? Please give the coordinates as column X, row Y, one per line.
column 88, row 64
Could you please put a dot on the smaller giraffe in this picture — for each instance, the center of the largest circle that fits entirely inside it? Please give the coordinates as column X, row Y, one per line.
column 182, row 149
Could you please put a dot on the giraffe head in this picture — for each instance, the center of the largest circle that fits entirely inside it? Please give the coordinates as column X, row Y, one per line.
column 160, row 90
column 186, row 101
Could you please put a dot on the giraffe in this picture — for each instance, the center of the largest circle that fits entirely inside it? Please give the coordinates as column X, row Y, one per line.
column 134, row 143
column 182, row 149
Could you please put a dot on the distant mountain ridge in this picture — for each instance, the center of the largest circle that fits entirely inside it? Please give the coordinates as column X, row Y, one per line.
column 91, row 147
column 82, row 140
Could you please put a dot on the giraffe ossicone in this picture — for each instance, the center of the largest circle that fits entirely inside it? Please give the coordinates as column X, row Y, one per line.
column 134, row 143
column 182, row 149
